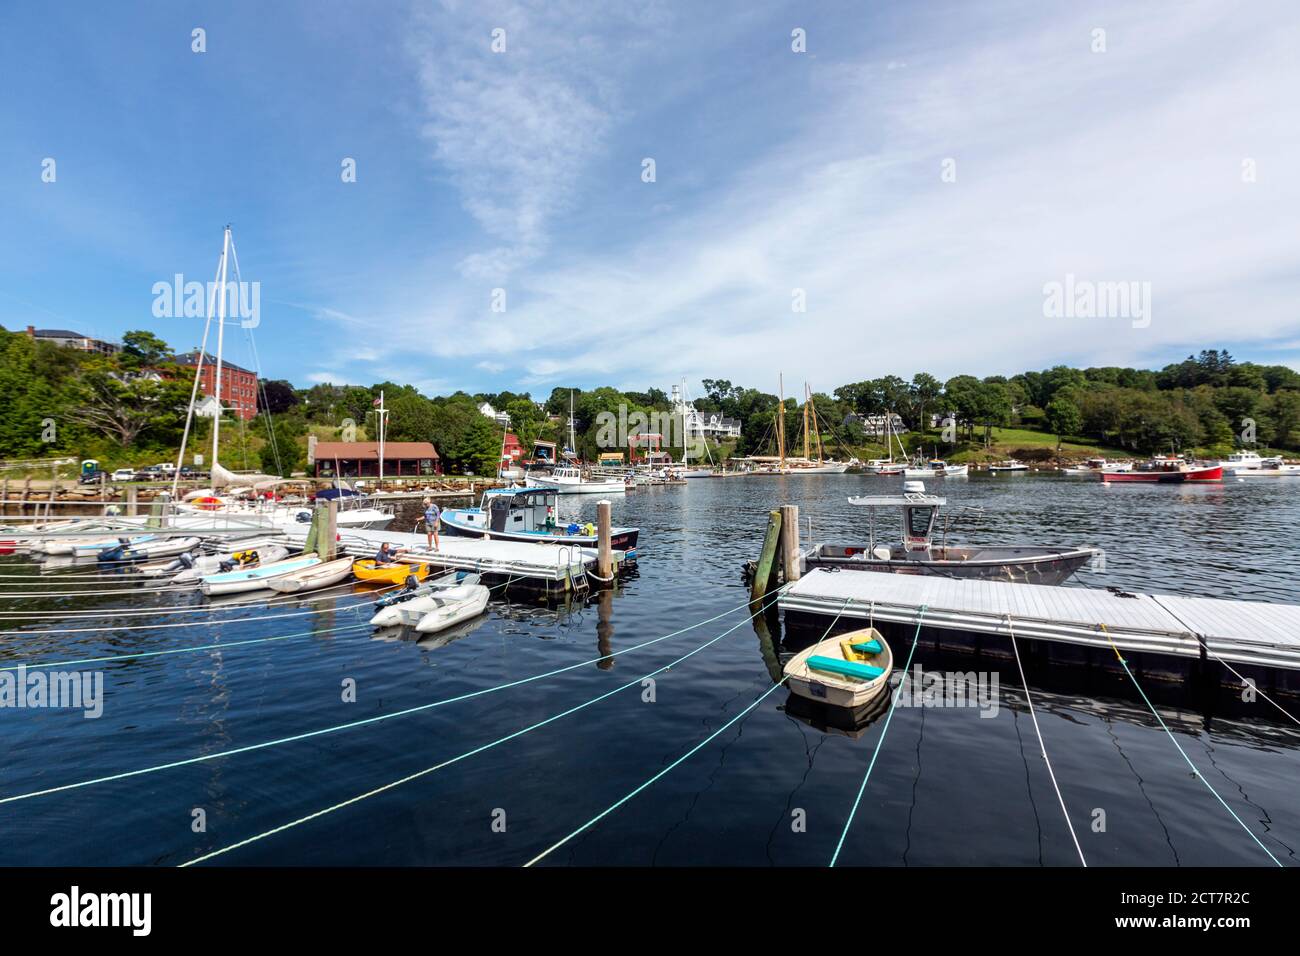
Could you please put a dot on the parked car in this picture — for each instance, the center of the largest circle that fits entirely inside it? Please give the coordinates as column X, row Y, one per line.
column 90, row 477
column 188, row 472
column 152, row 473
column 123, row 474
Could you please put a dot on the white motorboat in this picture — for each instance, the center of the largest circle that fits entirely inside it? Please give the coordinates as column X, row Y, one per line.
column 845, row 671
column 936, row 468
column 1270, row 469
column 89, row 547
column 323, row 575
column 157, row 548
column 1242, row 461
column 568, row 480
column 255, row 578
column 186, row 568
column 1011, row 466
column 1093, row 467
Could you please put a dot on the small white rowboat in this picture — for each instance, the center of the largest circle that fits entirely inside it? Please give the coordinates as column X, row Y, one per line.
column 314, row 578
column 255, row 579
column 845, row 671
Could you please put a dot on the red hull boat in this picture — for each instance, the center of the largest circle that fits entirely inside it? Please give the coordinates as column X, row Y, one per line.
column 1167, row 471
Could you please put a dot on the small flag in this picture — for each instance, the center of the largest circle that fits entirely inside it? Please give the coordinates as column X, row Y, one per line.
column 377, row 402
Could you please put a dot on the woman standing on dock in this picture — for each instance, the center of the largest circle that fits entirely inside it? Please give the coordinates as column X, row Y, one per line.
column 431, row 514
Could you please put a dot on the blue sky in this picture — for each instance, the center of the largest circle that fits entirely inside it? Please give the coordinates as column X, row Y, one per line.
column 775, row 171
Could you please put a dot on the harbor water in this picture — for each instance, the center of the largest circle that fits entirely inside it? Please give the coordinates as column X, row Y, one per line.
column 951, row 785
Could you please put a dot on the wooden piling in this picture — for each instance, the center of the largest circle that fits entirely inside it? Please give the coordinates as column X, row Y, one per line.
column 790, row 542
column 329, row 540
column 766, row 560
column 132, row 500
column 604, row 550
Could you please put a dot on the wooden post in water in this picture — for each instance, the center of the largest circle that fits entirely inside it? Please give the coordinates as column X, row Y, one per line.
column 790, row 542
column 766, row 560
column 604, row 551
column 4, row 497
column 132, row 500
column 328, row 543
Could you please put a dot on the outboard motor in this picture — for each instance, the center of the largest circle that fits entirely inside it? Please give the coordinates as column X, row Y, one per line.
column 114, row 554
column 186, row 559
column 225, row 566
column 302, row 517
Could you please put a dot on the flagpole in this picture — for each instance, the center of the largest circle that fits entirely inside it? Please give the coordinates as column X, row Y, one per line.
column 381, row 439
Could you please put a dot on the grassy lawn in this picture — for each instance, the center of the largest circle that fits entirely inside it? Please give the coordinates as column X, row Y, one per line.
column 1008, row 440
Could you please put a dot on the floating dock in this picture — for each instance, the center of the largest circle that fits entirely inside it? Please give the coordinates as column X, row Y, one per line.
column 1238, row 632
column 546, row 563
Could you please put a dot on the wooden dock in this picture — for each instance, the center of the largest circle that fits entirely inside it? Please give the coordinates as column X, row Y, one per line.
column 1239, row 632
column 545, row 563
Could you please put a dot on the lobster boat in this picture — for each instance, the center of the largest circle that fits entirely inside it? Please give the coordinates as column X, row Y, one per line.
column 845, row 671
column 1164, row 469
column 527, row 514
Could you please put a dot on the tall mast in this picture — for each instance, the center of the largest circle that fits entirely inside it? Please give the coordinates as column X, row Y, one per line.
column 381, row 440
column 221, row 330
column 573, row 442
column 805, row 419
column 780, row 419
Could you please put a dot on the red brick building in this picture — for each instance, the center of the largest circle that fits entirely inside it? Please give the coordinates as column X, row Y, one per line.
column 238, row 385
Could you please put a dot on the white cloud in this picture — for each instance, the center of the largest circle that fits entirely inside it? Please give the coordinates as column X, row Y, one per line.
column 1116, row 166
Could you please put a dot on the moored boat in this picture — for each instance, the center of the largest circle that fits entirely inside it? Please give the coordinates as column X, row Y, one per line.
column 367, row 570
column 255, row 578
column 527, row 514
column 451, row 606
column 569, row 480
column 1093, row 468
column 1010, row 466
column 1163, row 469
column 918, row 553
column 189, row 568
column 148, row 550
column 313, row 578
column 845, row 671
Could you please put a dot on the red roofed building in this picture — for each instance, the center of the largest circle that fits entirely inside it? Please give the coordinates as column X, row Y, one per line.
column 360, row 459
column 238, row 385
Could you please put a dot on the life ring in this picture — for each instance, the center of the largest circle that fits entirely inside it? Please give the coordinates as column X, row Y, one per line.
column 206, row 503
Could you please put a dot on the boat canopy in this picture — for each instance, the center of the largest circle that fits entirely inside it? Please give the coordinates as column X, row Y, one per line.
column 896, row 501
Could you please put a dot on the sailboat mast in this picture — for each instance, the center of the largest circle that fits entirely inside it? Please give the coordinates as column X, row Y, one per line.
column 780, row 419
column 221, row 336
column 573, row 442
column 381, row 440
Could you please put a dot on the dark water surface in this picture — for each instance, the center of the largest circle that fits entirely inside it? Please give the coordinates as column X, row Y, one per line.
column 949, row 787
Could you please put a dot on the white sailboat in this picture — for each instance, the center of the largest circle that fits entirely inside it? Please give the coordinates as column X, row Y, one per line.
column 887, row 466
column 220, row 505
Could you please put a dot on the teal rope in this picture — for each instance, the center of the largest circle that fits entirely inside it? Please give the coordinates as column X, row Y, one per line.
column 881, row 739
column 470, row 753
column 680, row 760
column 1200, row 776
column 361, row 723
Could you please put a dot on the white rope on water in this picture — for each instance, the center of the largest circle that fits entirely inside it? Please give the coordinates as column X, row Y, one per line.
column 269, row 600
column 676, row 763
column 1195, row 770
column 881, row 739
column 218, row 645
column 1042, row 747
column 380, row 717
column 488, row 746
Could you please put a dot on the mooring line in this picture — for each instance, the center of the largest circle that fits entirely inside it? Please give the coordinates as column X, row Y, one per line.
column 1042, row 747
column 219, row 645
column 368, row 720
column 488, row 746
column 881, row 739
column 680, row 760
column 1205, row 646
column 1195, row 770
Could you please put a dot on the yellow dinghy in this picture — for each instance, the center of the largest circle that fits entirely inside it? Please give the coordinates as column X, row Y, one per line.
column 844, row 671
column 366, row 570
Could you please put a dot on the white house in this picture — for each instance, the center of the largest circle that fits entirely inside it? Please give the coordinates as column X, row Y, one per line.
column 875, row 424
column 487, row 411
column 697, row 424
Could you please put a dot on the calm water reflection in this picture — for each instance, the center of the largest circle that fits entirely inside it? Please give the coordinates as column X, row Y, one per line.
column 950, row 787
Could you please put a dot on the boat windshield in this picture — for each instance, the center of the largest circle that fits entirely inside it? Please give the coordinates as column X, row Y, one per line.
column 918, row 521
